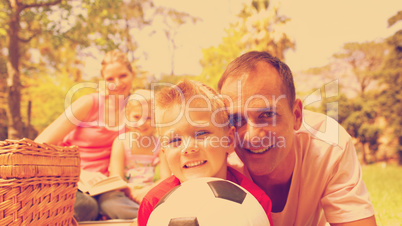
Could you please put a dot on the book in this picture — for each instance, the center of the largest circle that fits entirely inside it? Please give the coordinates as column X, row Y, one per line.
column 95, row 183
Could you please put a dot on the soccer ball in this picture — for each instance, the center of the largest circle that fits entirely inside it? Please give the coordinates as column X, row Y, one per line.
column 208, row 201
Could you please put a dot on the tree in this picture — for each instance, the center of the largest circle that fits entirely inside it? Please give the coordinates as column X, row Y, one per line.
column 263, row 26
column 3, row 102
column 18, row 12
column 215, row 59
column 360, row 124
column 52, row 26
column 3, row 73
column 172, row 21
column 258, row 28
column 119, row 19
column 357, row 116
column 365, row 60
column 391, row 78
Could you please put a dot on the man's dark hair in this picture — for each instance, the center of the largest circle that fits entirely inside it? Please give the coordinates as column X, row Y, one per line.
column 247, row 63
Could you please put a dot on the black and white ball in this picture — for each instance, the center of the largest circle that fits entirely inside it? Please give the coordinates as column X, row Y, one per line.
column 208, row 202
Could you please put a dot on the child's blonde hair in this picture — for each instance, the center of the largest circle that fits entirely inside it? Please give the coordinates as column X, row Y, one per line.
column 139, row 97
column 183, row 91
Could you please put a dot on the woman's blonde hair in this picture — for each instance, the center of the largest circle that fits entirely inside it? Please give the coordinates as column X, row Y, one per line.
column 115, row 56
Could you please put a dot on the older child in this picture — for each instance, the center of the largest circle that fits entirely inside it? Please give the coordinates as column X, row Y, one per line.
column 196, row 138
column 134, row 157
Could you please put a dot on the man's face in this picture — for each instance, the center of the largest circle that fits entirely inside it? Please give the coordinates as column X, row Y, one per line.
column 194, row 147
column 260, row 111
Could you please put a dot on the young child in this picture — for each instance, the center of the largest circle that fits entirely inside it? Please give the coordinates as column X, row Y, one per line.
column 196, row 139
column 134, row 157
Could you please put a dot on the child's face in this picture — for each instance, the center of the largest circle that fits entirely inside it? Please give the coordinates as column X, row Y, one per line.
column 193, row 146
column 139, row 119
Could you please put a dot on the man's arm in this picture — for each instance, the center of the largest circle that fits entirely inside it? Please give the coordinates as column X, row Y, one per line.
column 370, row 221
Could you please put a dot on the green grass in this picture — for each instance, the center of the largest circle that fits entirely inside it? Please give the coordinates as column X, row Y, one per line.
column 385, row 187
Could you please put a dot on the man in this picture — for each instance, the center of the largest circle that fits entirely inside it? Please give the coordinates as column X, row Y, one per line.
column 310, row 180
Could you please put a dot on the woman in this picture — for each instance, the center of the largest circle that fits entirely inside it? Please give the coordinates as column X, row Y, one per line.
column 92, row 123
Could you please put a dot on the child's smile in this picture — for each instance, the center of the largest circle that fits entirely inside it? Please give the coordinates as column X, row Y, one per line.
column 196, row 143
column 192, row 164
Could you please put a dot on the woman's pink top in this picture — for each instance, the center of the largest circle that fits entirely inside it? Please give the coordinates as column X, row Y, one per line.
column 93, row 138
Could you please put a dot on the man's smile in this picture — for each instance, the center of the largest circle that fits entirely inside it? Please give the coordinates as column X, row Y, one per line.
column 259, row 151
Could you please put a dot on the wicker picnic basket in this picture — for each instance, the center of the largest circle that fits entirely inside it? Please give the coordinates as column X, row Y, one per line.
column 38, row 183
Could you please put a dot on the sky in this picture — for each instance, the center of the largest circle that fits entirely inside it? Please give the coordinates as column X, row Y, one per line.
column 318, row 27
column 215, row 16
column 321, row 27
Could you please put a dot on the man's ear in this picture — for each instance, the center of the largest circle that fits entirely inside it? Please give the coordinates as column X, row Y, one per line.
column 297, row 114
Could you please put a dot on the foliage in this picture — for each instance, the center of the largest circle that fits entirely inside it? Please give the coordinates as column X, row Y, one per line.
column 47, row 99
column 172, row 21
column 23, row 22
column 365, row 59
column 357, row 115
column 360, row 123
column 342, row 111
column 395, row 18
column 3, row 104
column 3, row 22
column 391, row 78
column 258, row 28
column 45, row 38
column 215, row 59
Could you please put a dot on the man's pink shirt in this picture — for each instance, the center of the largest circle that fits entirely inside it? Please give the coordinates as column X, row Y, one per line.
column 327, row 183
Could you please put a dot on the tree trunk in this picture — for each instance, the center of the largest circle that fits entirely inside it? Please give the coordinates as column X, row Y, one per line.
column 28, row 126
column 364, row 159
column 172, row 58
column 400, row 150
column 13, row 80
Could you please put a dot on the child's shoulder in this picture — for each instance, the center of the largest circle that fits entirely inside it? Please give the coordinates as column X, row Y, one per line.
column 162, row 188
column 125, row 136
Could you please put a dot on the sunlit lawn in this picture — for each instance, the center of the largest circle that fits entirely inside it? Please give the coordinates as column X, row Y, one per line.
column 385, row 188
